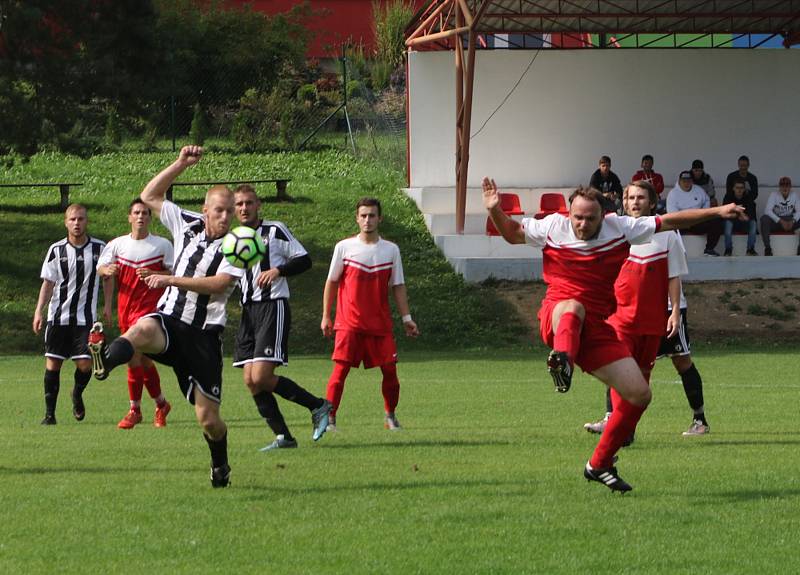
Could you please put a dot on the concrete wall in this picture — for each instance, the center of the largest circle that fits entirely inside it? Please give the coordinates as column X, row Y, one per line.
column 574, row 106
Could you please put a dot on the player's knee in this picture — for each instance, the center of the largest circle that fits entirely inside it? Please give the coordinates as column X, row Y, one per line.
column 572, row 306
column 641, row 396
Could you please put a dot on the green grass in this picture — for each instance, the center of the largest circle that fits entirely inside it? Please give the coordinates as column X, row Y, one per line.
column 325, row 186
column 485, row 477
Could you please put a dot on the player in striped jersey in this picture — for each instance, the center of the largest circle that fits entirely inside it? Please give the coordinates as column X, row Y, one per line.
column 262, row 342
column 130, row 259
column 70, row 287
column 186, row 332
column 649, row 277
column 582, row 255
column 363, row 269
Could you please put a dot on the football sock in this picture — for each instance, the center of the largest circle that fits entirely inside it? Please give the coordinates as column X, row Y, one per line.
column 52, row 383
column 568, row 335
column 152, row 381
column 620, row 427
column 336, row 384
column 118, row 352
column 390, row 387
column 693, row 388
column 609, row 405
column 219, row 450
column 82, row 379
column 135, row 383
column 288, row 389
column 268, row 408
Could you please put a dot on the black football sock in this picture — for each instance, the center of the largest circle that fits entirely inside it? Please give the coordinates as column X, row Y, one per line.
column 288, row 389
column 609, row 407
column 693, row 388
column 268, row 409
column 118, row 352
column 52, row 383
column 81, row 381
column 219, row 450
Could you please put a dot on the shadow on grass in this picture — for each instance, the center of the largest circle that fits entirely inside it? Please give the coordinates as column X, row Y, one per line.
column 46, row 209
column 423, row 443
column 743, row 495
column 286, row 490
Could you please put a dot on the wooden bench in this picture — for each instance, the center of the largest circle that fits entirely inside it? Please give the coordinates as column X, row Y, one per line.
column 280, row 186
column 63, row 189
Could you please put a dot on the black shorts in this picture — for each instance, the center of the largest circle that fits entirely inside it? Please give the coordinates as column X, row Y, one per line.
column 263, row 333
column 195, row 355
column 66, row 341
column 679, row 344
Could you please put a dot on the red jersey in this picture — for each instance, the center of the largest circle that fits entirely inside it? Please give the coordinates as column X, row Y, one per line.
column 653, row 177
column 365, row 273
column 134, row 298
column 642, row 287
column 585, row 270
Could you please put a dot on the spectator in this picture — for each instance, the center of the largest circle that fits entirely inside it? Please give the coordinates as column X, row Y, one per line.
column 782, row 213
column 740, row 197
column 701, row 178
column 750, row 180
column 608, row 184
column 646, row 174
column 686, row 196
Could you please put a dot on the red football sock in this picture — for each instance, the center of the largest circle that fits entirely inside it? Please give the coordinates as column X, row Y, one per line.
column 619, row 428
column 336, row 384
column 152, row 381
column 135, row 383
column 568, row 335
column 390, row 387
column 615, row 399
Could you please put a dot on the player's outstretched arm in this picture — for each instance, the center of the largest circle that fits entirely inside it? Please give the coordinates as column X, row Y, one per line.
column 45, row 293
column 155, row 191
column 401, row 300
column 689, row 218
column 327, row 305
column 510, row 229
column 209, row 285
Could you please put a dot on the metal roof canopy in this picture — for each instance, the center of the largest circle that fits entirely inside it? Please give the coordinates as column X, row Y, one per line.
column 462, row 26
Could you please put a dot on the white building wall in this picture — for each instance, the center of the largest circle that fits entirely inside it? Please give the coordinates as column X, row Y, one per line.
column 575, row 105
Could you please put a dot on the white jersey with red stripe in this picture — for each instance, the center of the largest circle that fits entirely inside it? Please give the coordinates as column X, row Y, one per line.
column 134, row 297
column 365, row 272
column 585, row 270
column 642, row 286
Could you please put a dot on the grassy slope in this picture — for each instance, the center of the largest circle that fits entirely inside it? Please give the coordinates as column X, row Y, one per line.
column 485, row 478
column 325, row 185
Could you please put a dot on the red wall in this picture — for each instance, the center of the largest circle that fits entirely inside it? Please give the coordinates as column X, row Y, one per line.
column 338, row 22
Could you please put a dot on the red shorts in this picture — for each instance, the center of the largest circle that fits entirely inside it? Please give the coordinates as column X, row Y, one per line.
column 599, row 342
column 353, row 348
column 643, row 348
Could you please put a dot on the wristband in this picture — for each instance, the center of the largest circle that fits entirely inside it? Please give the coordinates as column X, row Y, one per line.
column 406, row 318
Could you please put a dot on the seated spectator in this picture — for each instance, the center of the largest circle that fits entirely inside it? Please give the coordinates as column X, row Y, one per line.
column 701, row 178
column 686, row 196
column 646, row 174
column 607, row 182
column 743, row 173
column 781, row 214
column 740, row 197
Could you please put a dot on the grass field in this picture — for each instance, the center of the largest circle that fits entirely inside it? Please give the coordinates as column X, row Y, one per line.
column 485, row 477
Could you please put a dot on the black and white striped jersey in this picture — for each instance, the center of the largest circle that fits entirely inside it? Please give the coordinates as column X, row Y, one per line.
column 281, row 246
column 195, row 257
column 73, row 272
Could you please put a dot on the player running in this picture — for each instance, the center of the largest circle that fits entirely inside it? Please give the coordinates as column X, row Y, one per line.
column 262, row 342
column 582, row 255
column 130, row 259
column 363, row 269
column 186, row 331
column 69, row 290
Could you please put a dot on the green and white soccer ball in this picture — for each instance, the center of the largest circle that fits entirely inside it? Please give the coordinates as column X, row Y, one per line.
column 243, row 247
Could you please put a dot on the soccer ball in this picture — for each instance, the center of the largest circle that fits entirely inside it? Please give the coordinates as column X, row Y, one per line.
column 243, row 247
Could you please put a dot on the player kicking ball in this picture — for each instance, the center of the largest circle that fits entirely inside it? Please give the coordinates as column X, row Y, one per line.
column 130, row 259
column 363, row 269
column 582, row 256
column 186, row 331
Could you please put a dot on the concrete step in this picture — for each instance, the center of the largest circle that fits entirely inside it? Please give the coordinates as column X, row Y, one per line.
column 455, row 246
